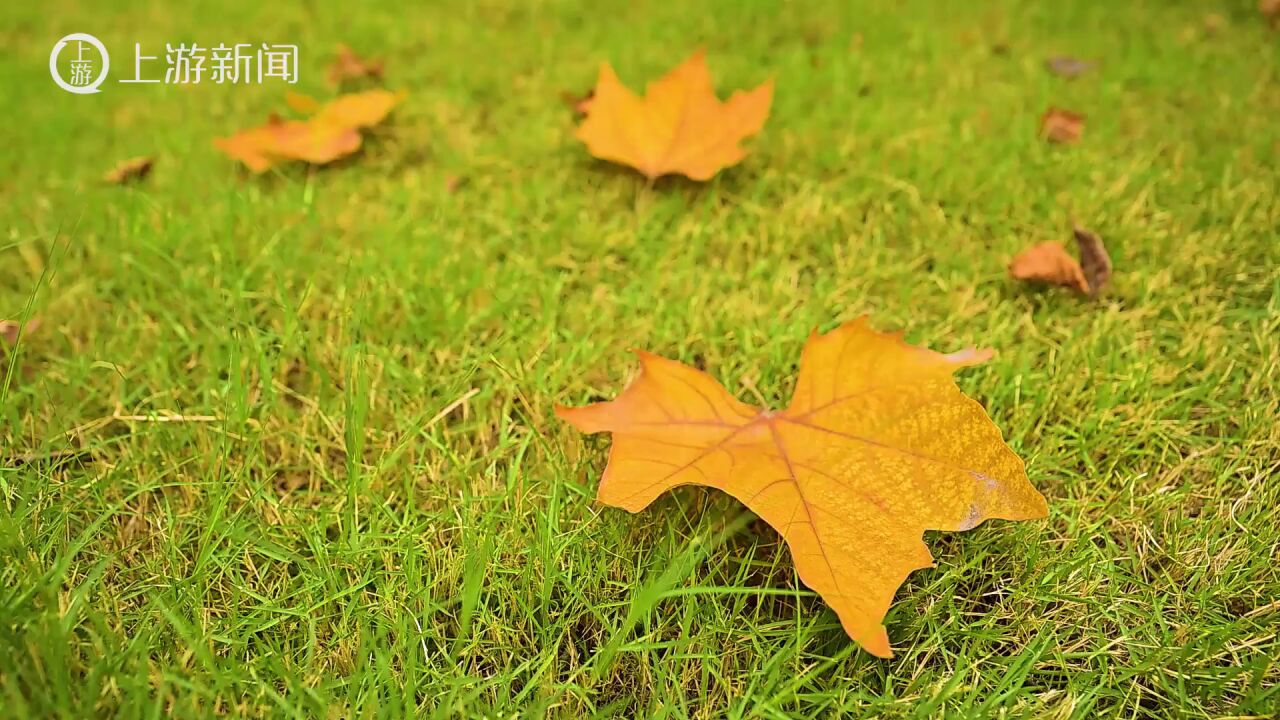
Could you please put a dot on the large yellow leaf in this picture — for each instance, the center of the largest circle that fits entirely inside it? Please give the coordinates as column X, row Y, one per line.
column 679, row 126
column 877, row 446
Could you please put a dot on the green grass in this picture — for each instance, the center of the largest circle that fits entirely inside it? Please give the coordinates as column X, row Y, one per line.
column 366, row 507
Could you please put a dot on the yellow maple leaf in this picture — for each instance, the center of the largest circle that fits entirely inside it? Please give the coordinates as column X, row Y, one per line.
column 679, row 126
column 877, row 446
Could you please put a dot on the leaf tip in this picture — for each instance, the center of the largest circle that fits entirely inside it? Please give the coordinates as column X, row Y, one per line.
column 878, row 643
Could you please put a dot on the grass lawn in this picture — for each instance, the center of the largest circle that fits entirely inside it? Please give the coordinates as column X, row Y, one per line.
column 284, row 446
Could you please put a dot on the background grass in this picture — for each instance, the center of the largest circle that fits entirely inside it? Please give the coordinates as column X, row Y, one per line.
column 283, row 447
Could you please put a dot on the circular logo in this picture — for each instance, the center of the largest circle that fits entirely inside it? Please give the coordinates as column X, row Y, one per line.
column 83, row 79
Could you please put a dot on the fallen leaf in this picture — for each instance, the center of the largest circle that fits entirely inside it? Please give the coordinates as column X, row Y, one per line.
column 678, row 127
column 347, row 65
column 1215, row 23
column 129, row 170
column 360, row 110
column 10, row 330
column 877, row 446
column 1067, row 66
column 579, row 103
column 261, row 148
column 1061, row 126
column 1094, row 261
column 332, row 133
column 1270, row 10
column 1049, row 262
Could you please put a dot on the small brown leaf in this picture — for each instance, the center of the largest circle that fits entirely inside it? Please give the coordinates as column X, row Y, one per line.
column 1049, row 262
column 1094, row 261
column 1061, row 126
column 579, row 103
column 10, row 330
column 129, row 170
column 347, row 65
column 1270, row 10
column 1067, row 66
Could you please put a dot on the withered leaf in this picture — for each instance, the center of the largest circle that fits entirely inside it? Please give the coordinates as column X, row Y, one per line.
column 579, row 103
column 1061, row 126
column 347, row 65
column 11, row 330
column 1067, row 66
column 1270, row 10
column 331, row 133
column 1094, row 261
column 1048, row 262
column 877, row 446
column 454, row 183
column 135, row 168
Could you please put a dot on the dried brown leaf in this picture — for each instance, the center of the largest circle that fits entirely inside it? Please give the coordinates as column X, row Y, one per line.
column 347, row 65
column 1094, row 261
column 1048, row 262
column 1067, row 66
column 135, row 168
column 10, row 330
column 1270, row 10
column 1061, row 126
column 580, row 103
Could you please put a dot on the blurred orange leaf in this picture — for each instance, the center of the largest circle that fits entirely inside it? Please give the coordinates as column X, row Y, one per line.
column 135, row 168
column 347, row 65
column 679, row 126
column 877, row 446
column 331, row 133
column 360, row 110
column 579, row 103
column 1061, row 126
column 1270, row 10
column 11, row 330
